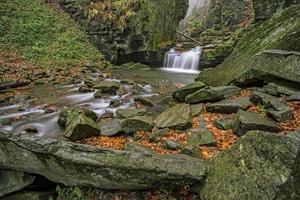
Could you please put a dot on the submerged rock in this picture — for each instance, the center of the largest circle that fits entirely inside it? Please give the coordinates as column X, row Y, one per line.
column 212, row 94
column 12, row 181
column 139, row 123
column 180, row 94
column 260, row 165
column 229, row 106
column 179, row 117
column 247, row 121
column 81, row 127
column 74, row 164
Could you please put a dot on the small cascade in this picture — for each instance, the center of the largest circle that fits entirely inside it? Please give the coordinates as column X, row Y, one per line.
column 188, row 60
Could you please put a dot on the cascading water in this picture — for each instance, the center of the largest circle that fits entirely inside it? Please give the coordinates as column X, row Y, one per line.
column 185, row 61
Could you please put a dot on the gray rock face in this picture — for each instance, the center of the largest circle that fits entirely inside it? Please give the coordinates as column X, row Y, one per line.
column 172, row 145
column 81, row 127
column 73, row 164
column 109, row 87
column 260, row 165
column 29, row 195
column 276, row 108
column 212, row 94
column 134, row 124
column 230, row 106
column 111, row 127
column 178, row 116
column 128, row 113
column 197, row 109
column 180, row 94
column 295, row 97
column 279, row 90
column 224, row 124
column 144, row 101
column 12, row 181
column 138, row 149
column 247, row 121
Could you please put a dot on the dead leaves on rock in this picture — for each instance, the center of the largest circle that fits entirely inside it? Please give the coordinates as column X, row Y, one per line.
column 106, row 142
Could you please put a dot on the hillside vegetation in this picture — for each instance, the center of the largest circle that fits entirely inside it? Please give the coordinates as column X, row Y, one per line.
column 44, row 35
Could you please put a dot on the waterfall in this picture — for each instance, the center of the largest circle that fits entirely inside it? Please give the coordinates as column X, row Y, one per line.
column 196, row 8
column 186, row 61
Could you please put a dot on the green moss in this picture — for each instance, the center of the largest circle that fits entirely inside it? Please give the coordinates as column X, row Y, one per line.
column 282, row 31
column 42, row 35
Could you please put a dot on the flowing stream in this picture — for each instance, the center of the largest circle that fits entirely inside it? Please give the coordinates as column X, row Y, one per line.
column 39, row 107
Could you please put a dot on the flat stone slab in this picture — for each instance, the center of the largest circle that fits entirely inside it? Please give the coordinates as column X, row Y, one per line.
column 229, row 105
column 212, row 94
column 178, row 116
column 248, row 121
column 180, row 94
column 74, row 164
column 279, row 90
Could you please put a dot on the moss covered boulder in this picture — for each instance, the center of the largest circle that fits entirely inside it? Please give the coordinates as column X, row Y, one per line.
column 180, row 94
column 282, row 32
column 179, row 116
column 81, row 127
column 68, row 115
column 260, row 165
column 138, row 123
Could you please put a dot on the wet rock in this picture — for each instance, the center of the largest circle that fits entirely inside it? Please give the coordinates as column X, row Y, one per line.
column 12, row 181
column 158, row 133
column 260, row 165
column 224, row 124
column 68, row 115
column 275, row 107
column 295, row 97
column 197, row 109
column 50, row 110
column 6, row 121
column 144, row 101
column 108, row 87
column 247, row 121
column 97, row 167
column 139, row 123
column 31, row 130
column 131, row 112
column 119, row 102
column 212, row 94
column 85, row 89
column 105, row 116
column 130, row 146
column 172, row 145
column 128, row 82
column 99, row 95
column 229, row 105
column 111, row 127
column 279, row 90
column 179, row 117
column 81, row 127
column 180, row 94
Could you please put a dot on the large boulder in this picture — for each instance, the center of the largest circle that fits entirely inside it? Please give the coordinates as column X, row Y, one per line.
column 247, row 121
column 244, row 65
column 179, row 117
column 30, row 195
column 180, row 94
column 138, row 123
column 81, row 127
column 111, row 127
column 74, row 164
column 12, row 181
column 260, row 165
column 212, row 94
